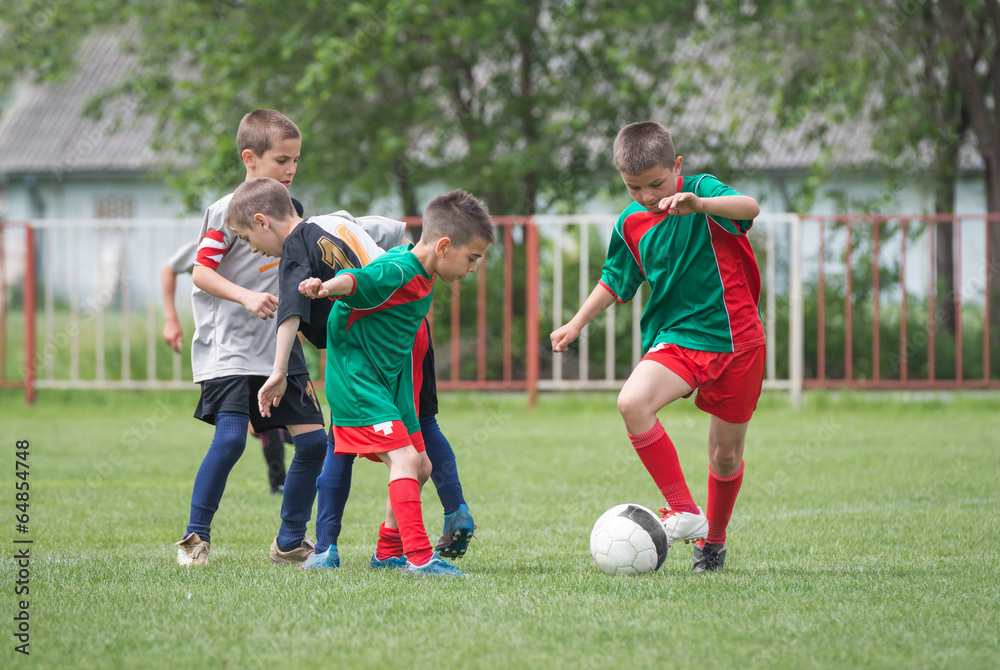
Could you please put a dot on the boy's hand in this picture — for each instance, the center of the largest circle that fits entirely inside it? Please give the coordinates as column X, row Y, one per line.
column 561, row 337
column 680, row 204
column 271, row 392
column 261, row 304
column 173, row 335
column 313, row 288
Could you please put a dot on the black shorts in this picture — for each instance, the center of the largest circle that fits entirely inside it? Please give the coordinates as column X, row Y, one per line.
column 238, row 394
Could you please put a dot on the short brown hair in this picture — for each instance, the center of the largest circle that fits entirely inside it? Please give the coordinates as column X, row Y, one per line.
column 260, row 195
column 644, row 145
column 459, row 216
column 263, row 128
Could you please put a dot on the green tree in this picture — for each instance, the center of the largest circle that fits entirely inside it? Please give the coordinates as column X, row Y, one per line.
column 514, row 101
column 922, row 73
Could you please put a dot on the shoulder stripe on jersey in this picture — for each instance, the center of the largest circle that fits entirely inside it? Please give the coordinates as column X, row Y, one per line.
column 354, row 243
column 211, row 249
column 415, row 289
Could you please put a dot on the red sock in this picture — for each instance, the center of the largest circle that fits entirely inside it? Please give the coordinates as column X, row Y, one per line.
column 404, row 496
column 658, row 454
column 390, row 543
column 722, row 492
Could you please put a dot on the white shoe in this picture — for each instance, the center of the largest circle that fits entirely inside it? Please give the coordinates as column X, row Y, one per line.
column 684, row 526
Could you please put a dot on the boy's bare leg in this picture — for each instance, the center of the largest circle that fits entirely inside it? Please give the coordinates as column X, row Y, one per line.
column 725, row 446
column 648, row 389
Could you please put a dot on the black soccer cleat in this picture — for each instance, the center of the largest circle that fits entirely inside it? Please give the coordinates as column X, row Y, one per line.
column 708, row 557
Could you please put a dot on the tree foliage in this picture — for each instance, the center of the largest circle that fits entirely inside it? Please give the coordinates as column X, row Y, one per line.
column 514, row 101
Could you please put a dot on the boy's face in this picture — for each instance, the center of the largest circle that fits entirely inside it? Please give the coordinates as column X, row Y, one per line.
column 279, row 162
column 261, row 237
column 454, row 263
column 649, row 187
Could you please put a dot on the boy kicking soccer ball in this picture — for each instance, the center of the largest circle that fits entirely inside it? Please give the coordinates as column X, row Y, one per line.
column 701, row 329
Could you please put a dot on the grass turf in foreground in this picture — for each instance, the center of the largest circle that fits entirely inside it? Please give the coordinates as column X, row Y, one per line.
column 865, row 536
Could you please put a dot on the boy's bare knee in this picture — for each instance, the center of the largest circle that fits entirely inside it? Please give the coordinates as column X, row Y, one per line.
column 424, row 468
column 725, row 458
column 628, row 406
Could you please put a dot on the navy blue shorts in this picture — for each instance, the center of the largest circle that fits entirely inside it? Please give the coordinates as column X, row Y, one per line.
column 238, row 394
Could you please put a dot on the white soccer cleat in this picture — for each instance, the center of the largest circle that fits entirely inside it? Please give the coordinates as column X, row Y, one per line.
column 684, row 526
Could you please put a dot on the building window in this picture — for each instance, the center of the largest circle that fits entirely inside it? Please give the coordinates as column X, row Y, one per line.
column 114, row 207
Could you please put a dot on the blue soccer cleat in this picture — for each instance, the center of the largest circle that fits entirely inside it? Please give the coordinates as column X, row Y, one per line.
column 391, row 563
column 458, row 529
column 328, row 559
column 432, row 568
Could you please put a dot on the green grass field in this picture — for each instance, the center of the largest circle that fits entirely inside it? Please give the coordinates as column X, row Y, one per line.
column 865, row 537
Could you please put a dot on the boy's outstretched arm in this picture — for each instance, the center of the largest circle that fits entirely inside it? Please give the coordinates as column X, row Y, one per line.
column 274, row 388
column 598, row 301
column 210, row 281
column 342, row 284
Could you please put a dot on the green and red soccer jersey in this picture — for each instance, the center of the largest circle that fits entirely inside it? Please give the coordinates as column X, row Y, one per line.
column 370, row 337
column 702, row 274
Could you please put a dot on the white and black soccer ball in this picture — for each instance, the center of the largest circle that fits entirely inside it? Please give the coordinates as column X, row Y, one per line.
column 628, row 540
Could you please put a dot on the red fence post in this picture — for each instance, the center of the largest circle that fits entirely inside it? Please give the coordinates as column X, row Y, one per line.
column 29, row 315
column 531, row 306
column 876, row 301
column 903, row 346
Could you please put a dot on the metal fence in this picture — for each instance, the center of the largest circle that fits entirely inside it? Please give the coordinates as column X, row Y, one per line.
column 80, row 306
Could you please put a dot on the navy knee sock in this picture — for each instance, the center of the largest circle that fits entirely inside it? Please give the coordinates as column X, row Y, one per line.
column 445, row 472
column 300, row 488
column 332, row 488
column 228, row 443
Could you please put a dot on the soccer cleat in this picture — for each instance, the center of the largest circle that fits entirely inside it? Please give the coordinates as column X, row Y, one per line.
column 458, row 529
column 391, row 563
column 683, row 526
column 326, row 559
column 708, row 557
column 192, row 551
column 432, row 568
column 297, row 555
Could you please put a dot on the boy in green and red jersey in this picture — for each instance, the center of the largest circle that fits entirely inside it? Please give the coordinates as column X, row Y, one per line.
column 370, row 337
column 701, row 329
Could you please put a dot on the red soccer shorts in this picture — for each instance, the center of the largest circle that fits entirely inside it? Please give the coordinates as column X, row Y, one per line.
column 728, row 384
column 368, row 441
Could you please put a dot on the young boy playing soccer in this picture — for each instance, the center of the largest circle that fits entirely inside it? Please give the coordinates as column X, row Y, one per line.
column 685, row 236
column 322, row 246
column 182, row 262
column 232, row 355
column 380, row 309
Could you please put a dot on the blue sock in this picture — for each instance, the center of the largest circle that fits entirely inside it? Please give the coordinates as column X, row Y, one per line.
column 445, row 472
column 228, row 443
column 300, row 488
column 333, row 487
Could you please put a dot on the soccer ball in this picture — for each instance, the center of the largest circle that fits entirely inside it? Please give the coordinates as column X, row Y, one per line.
column 628, row 540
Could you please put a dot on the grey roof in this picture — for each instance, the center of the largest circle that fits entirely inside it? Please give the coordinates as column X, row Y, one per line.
column 44, row 131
